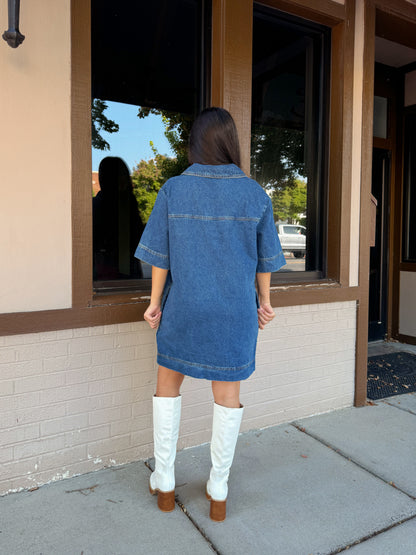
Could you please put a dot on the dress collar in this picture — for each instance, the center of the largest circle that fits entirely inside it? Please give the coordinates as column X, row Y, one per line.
column 217, row 172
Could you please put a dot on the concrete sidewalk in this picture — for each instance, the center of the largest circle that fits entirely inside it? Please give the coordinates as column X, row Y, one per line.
column 345, row 479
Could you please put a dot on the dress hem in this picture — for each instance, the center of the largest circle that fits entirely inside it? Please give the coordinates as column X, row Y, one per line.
column 206, row 373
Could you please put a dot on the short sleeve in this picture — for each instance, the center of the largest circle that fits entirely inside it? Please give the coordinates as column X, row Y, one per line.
column 154, row 243
column 270, row 257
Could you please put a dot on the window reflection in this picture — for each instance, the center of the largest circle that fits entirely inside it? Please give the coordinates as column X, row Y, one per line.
column 157, row 69
column 287, row 122
column 122, row 199
column 117, row 224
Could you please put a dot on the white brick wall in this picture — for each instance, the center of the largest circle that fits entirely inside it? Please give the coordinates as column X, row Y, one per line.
column 73, row 401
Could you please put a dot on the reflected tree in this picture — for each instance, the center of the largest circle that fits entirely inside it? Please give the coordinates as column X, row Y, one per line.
column 100, row 122
column 277, row 163
column 289, row 204
column 148, row 177
column 177, row 131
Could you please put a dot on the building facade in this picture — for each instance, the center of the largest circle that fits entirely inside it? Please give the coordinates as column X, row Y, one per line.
column 77, row 361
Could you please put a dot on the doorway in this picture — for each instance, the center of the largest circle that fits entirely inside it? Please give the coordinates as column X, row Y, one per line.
column 386, row 84
column 394, row 68
column 390, row 42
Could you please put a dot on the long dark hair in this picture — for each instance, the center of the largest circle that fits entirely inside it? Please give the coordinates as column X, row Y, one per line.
column 214, row 139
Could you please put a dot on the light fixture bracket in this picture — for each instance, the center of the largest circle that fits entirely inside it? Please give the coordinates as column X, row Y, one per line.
column 13, row 36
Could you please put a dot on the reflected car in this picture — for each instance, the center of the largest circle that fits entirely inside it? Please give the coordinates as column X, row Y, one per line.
column 292, row 238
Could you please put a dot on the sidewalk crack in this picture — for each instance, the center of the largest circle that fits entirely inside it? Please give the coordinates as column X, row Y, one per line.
column 349, row 458
column 400, row 408
column 203, row 534
column 374, row 534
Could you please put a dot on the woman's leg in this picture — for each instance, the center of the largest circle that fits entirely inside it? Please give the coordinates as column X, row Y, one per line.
column 168, row 382
column 226, row 422
column 166, row 420
column 227, row 394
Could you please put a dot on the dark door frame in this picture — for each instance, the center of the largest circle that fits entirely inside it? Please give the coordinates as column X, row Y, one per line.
column 388, row 84
column 380, row 253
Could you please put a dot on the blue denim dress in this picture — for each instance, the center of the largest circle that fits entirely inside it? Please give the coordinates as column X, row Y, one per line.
column 213, row 229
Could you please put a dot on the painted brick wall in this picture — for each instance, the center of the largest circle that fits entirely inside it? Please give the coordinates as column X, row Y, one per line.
column 74, row 401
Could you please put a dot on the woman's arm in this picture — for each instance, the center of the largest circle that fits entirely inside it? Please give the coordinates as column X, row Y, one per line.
column 265, row 313
column 153, row 312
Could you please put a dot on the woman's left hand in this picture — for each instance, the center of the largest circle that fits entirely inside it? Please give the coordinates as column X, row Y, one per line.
column 153, row 315
column 265, row 314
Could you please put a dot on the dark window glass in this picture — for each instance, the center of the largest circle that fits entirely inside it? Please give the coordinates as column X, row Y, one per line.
column 289, row 105
column 409, row 192
column 148, row 66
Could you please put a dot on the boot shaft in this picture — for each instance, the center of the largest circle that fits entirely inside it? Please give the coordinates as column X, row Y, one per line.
column 225, row 430
column 166, row 420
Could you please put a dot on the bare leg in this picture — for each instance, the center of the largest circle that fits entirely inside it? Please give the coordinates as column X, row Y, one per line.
column 168, row 382
column 227, row 394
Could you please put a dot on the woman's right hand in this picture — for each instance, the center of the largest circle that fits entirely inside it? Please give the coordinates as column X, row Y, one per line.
column 265, row 314
column 153, row 315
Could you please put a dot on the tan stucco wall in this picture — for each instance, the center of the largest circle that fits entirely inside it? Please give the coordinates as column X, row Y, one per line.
column 35, row 169
column 407, row 320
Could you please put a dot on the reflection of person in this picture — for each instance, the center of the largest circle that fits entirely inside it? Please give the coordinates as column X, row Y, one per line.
column 117, row 226
column 211, row 233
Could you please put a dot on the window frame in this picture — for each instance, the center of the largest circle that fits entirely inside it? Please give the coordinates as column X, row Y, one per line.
column 340, row 18
column 318, row 153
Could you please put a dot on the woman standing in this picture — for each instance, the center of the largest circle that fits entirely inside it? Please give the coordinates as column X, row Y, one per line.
column 210, row 237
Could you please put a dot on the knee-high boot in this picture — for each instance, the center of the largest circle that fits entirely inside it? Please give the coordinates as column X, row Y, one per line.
column 166, row 419
column 225, row 429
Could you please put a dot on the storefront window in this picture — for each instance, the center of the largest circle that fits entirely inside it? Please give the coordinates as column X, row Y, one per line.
column 288, row 141
column 149, row 80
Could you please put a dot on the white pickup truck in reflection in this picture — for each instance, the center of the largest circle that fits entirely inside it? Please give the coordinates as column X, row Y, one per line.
column 292, row 238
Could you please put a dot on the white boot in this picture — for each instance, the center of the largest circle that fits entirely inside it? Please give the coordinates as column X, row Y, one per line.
column 166, row 418
column 225, row 428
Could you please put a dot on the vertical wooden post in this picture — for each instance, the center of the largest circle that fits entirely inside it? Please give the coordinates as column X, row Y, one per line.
column 366, row 173
column 81, row 153
column 232, row 37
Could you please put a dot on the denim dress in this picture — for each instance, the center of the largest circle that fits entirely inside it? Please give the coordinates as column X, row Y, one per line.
column 213, row 229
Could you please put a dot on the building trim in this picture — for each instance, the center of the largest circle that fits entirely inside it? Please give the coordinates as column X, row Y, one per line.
column 120, row 311
column 407, row 267
column 325, row 12
column 409, row 339
column 81, row 153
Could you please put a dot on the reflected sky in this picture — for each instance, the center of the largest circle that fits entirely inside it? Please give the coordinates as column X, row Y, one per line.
column 131, row 143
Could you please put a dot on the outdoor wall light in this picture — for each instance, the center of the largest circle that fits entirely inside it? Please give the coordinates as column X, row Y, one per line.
column 13, row 36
